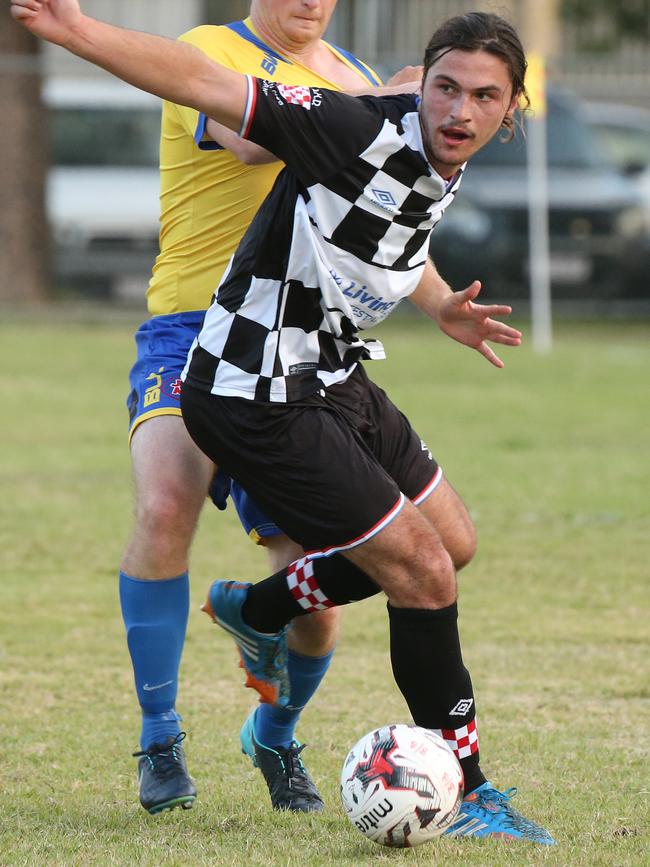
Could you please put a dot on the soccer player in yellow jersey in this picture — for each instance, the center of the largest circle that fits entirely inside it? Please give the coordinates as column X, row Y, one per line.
column 202, row 223
column 212, row 183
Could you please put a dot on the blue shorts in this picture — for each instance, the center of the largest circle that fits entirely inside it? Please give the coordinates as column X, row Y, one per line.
column 162, row 345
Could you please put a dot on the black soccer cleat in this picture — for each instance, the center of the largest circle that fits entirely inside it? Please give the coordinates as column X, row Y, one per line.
column 164, row 780
column 290, row 786
column 289, row 783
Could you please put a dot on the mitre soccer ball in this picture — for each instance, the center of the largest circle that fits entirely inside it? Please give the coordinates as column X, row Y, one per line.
column 401, row 785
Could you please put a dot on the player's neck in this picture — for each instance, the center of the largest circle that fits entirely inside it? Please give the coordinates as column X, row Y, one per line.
column 303, row 52
column 315, row 55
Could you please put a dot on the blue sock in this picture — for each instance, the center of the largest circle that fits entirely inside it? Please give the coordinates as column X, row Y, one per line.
column 275, row 726
column 155, row 616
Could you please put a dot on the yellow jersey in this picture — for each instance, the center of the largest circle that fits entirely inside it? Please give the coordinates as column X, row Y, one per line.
column 207, row 196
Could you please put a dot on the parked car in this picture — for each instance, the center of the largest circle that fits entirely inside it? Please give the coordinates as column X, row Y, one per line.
column 103, row 186
column 623, row 132
column 599, row 231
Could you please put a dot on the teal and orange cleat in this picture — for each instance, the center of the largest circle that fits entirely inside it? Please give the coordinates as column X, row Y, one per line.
column 486, row 812
column 263, row 656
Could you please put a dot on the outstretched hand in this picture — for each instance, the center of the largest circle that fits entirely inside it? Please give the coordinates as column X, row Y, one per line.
column 472, row 324
column 49, row 19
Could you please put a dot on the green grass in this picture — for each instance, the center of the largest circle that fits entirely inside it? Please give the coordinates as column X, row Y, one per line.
column 552, row 456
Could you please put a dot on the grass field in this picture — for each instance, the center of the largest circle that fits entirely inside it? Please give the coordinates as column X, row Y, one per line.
column 552, row 455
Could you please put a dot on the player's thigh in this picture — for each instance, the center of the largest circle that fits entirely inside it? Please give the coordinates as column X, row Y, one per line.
column 408, row 561
column 446, row 512
column 170, row 472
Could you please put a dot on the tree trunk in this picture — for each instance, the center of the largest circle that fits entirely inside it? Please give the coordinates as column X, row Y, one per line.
column 24, row 243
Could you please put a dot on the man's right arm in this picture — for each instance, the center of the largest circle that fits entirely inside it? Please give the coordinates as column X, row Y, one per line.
column 246, row 151
column 407, row 80
column 172, row 70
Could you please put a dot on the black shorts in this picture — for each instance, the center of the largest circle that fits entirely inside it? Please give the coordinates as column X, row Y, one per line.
column 330, row 470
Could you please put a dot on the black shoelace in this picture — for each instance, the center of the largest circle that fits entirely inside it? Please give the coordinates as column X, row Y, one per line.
column 294, row 770
column 164, row 759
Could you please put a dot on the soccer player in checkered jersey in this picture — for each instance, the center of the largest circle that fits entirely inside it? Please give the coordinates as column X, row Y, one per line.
column 274, row 391
column 212, row 183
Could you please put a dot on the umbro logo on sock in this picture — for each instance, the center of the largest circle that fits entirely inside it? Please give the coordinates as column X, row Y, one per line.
column 148, row 688
column 462, row 707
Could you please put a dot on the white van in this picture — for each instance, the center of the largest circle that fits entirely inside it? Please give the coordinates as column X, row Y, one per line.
column 103, row 186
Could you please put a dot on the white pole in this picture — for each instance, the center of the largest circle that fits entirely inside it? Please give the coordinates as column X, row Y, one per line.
column 542, row 34
column 538, row 228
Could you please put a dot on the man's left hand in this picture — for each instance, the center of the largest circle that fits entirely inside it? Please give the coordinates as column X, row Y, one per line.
column 472, row 324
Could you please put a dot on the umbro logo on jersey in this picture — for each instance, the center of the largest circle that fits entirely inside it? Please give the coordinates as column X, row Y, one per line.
column 462, row 707
column 385, row 198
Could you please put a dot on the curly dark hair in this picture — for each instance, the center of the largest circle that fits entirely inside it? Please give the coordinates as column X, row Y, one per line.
column 483, row 31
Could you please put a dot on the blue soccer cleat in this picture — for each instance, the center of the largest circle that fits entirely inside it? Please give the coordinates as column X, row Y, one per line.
column 486, row 812
column 288, row 781
column 262, row 656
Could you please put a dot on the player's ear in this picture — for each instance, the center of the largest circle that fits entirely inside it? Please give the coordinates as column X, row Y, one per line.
column 508, row 122
column 514, row 103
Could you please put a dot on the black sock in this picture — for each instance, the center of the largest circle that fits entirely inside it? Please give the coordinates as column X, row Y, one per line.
column 428, row 667
column 303, row 587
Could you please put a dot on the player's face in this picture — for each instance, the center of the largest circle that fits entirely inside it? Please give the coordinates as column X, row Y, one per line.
column 292, row 23
column 465, row 97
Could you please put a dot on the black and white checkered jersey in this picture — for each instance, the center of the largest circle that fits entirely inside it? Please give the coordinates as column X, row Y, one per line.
column 342, row 237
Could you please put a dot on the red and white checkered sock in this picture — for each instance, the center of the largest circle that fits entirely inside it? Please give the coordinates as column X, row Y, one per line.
column 463, row 740
column 304, row 587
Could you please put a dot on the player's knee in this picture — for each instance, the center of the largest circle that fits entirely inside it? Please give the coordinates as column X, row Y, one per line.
column 463, row 550
column 165, row 515
column 430, row 567
column 438, row 569
column 424, row 575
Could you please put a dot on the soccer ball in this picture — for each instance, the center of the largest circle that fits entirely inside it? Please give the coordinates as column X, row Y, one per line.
column 401, row 785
